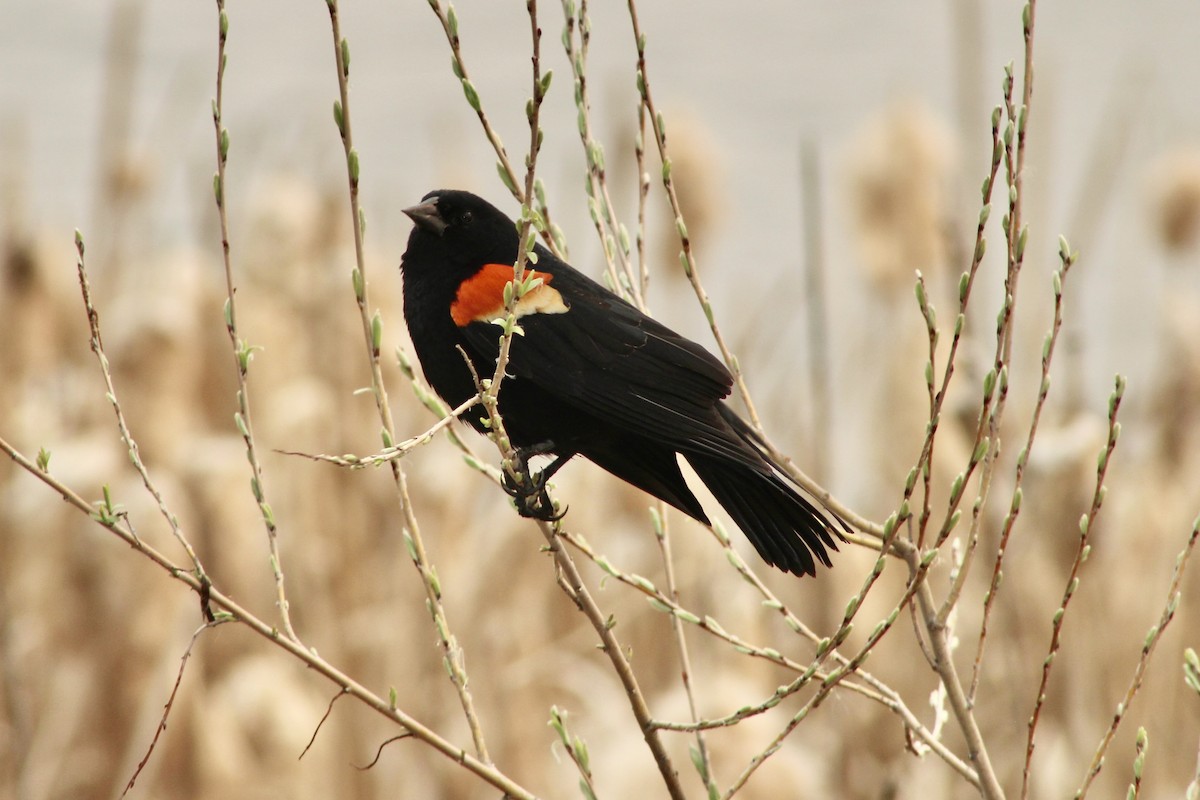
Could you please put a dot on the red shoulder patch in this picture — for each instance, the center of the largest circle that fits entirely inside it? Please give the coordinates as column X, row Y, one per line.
column 480, row 298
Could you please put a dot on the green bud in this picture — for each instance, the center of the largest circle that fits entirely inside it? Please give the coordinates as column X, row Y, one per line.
column 471, row 95
column 376, row 332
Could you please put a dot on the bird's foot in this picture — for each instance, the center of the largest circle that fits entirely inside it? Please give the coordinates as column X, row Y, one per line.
column 528, row 490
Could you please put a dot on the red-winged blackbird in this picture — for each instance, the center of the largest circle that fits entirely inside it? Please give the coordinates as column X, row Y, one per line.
column 592, row 376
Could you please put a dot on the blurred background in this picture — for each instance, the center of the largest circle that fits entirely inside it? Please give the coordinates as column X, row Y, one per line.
column 837, row 143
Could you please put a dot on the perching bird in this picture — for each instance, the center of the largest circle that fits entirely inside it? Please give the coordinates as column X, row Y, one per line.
column 591, row 375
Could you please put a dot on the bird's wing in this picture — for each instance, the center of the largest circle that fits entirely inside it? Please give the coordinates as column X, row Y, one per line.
column 604, row 356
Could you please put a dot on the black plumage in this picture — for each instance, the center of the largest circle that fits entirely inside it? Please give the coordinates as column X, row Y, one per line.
column 591, row 375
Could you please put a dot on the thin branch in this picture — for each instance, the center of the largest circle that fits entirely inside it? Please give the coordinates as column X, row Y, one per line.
column 643, row 179
column 379, row 751
column 663, row 536
column 1067, row 259
column 97, row 345
column 572, row 583
column 243, row 353
column 1139, row 763
column 878, row 691
column 162, row 723
column 231, row 610
column 687, row 257
column 395, row 452
column 614, row 239
column 448, row 18
column 576, row 749
column 1086, row 524
column 328, row 710
column 1148, row 645
column 977, row 753
column 372, row 327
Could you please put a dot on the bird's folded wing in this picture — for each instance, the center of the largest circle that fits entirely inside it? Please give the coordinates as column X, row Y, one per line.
column 610, row 360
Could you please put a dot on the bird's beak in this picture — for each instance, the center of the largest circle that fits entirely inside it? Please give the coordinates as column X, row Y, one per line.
column 426, row 216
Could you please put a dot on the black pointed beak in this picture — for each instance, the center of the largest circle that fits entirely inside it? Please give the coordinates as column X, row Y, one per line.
column 426, row 216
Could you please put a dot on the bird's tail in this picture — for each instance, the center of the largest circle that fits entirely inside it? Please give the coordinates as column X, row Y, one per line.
column 785, row 528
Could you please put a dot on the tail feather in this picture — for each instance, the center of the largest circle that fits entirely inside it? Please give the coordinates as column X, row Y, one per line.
column 648, row 466
column 785, row 528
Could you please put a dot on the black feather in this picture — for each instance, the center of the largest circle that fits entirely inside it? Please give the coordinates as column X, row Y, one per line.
column 602, row 380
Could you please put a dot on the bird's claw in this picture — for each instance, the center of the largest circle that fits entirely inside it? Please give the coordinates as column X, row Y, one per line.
column 531, row 497
column 529, row 491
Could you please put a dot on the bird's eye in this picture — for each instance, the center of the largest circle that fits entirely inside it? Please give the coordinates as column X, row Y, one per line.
column 464, row 219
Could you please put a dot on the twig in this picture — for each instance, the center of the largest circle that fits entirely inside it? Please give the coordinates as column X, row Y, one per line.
column 527, row 228
column 434, row 405
column 389, row 454
column 372, row 327
column 1067, row 259
column 614, row 239
column 162, row 723
column 243, row 353
column 878, row 691
column 1016, row 235
column 526, row 233
column 1139, row 764
column 576, row 749
column 966, row 284
column 1139, row 671
column 328, row 710
column 931, row 329
column 1081, row 554
column 943, row 664
column 643, row 179
column 379, row 751
column 572, row 583
column 662, row 535
column 97, row 345
column 550, row 234
column 687, row 258
column 986, row 445
column 231, row 610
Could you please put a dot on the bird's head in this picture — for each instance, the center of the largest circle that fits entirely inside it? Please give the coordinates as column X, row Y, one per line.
column 458, row 231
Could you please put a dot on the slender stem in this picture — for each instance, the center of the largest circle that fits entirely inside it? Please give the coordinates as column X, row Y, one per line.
column 372, row 334
column 97, row 344
column 1139, row 671
column 1086, row 524
column 572, row 583
column 525, row 196
column 242, row 351
column 687, row 257
column 614, row 239
column 394, row 452
column 309, row 657
column 878, row 691
column 685, row 661
column 1068, row 259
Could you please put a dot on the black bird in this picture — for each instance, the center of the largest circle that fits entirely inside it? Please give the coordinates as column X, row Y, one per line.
column 591, row 375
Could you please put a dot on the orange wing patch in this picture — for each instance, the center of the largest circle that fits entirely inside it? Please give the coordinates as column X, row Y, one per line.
column 480, row 298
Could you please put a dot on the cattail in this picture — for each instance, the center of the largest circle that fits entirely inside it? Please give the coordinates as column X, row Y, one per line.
column 1175, row 199
column 900, row 165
